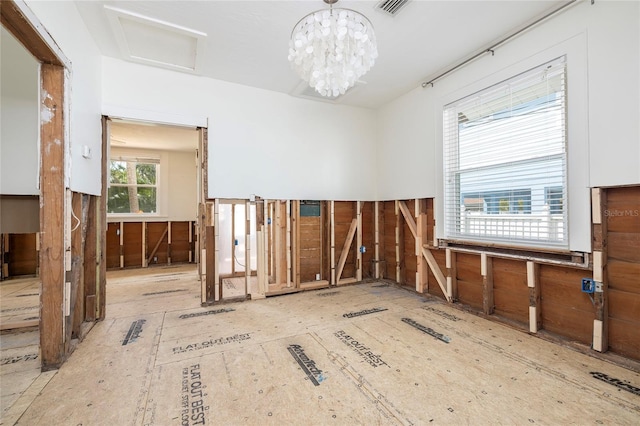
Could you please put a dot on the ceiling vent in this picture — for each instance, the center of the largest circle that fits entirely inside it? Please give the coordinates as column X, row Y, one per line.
column 155, row 42
column 391, row 7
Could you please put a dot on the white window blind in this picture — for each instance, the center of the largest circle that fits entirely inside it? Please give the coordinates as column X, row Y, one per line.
column 505, row 161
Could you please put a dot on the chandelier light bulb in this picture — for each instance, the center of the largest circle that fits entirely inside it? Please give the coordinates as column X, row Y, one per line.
column 331, row 49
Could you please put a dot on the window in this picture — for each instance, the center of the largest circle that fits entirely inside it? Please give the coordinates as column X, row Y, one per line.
column 133, row 186
column 505, row 161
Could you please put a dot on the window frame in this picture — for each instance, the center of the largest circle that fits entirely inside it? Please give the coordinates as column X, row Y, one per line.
column 156, row 161
column 476, row 196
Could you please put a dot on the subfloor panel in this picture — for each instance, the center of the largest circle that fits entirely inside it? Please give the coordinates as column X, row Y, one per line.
column 363, row 354
column 19, row 300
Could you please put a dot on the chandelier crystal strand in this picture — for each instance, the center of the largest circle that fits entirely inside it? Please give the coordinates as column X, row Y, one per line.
column 331, row 49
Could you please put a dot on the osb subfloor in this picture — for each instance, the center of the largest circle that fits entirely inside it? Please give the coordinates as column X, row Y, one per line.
column 19, row 300
column 362, row 354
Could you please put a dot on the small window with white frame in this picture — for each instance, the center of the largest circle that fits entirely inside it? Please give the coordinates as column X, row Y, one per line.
column 505, row 160
column 133, row 186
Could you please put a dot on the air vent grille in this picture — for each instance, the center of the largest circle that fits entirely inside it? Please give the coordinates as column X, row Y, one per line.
column 391, row 7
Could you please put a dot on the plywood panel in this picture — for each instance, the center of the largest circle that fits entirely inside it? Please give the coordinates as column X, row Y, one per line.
column 113, row 245
column 469, row 279
column 345, row 212
column 368, row 239
column 623, row 275
column 470, row 293
column 310, row 247
column 624, row 337
column 180, row 245
column 132, row 246
column 410, row 261
column 624, row 246
column 625, row 305
column 622, row 212
column 566, row 310
column 156, row 236
column 468, row 268
column 510, row 291
column 389, row 240
column 23, row 256
column 622, row 215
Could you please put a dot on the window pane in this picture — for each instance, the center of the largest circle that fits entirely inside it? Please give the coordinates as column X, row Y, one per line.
column 118, row 172
column 146, row 200
column 146, row 174
column 118, row 200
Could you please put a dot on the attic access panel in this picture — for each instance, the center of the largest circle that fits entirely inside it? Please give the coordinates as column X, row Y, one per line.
column 154, row 42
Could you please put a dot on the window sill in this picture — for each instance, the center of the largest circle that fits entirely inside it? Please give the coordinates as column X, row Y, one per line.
column 555, row 257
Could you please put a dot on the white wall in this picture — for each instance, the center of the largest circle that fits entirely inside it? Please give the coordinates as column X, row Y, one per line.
column 62, row 20
column 260, row 142
column 602, row 45
column 178, row 190
column 19, row 121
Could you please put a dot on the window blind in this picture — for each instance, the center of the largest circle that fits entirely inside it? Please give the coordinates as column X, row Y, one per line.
column 505, row 161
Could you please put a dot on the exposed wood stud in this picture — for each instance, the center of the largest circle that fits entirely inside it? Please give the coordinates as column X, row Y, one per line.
column 600, row 341
column 333, row 243
column 52, row 218
column 169, row 243
column 121, row 245
column 91, row 259
column 398, row 243
column 247, row 247
column 288, row 240
column 144, row 245
column 535, row 306
column 214, row 289
column 359, row 205
column 452, row 279
column 486, row 270
column 376, row 224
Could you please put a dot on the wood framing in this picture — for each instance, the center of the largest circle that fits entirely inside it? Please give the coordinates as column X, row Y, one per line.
column 52, row 218
column 535, row 307
column 486, row 270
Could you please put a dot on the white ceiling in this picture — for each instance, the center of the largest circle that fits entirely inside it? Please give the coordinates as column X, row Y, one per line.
column 247, row 41
column 141, row 135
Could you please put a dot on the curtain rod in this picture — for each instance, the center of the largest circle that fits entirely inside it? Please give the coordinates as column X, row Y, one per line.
column 499, row 43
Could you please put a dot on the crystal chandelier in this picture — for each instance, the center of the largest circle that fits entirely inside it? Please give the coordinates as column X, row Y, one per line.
column 331, row 49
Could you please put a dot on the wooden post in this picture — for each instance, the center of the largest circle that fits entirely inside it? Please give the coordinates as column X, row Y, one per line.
column 214, row 290
column 333, row 243
column 169, row 243
column 452, row 279
column 599, row 244
column 288, row 240
column 486, row 270
column 190, row 241
column 144, row 245
column 91, row 260
column 101, row 227
column 5, row 251
column 398, row 242
column 535, row 307
column 422, row 273
column 247, row 247
column 78, row 236
column 359, row 240
column 52, row 217
column 376, row 224
column 121, row 229
column 295, row 242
